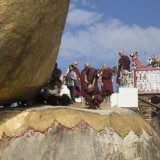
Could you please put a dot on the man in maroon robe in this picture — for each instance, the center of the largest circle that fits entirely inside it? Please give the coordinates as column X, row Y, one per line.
column 91, row 76
column 123, row 64
column 76, row 87
column 93, row 97
column 106, row 83
column 83, row 86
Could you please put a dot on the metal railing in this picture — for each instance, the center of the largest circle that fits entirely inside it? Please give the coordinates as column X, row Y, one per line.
column 143, row 77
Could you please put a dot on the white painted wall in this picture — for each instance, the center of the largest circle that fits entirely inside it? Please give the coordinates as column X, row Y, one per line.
column 127, row 97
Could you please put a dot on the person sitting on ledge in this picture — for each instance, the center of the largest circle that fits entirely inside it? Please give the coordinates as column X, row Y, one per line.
column 93, row 97
column 59, row 95
column 54, row 93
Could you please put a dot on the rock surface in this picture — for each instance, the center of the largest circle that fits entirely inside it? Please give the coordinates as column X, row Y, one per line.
column 30, row 37
column 54, row 133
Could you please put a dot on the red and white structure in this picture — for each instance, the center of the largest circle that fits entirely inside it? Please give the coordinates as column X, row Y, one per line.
column 143, row 77
column 146, row 79
column 142, row 80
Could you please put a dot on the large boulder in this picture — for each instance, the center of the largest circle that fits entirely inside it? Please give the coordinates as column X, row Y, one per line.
column 54, row 133
column 30, row 37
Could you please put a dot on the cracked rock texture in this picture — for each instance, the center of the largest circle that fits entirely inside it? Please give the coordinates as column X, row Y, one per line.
column 30, row 37
column 56, row 133
column 81, row 143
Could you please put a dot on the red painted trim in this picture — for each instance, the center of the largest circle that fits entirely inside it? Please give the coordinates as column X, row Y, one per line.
column 135, row 79
column 147, row 69
column 149, row 92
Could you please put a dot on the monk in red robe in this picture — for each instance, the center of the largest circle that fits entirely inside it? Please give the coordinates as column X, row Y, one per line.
column 76, row 87
column 106, row 83
column 83, row 86
column 91, row 76
column 93, row 97
column 123, row 64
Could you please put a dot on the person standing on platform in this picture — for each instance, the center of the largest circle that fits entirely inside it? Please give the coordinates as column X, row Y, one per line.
column 91, row 76
column 83, row 86
column 77, row 90
column 56, row 73
column 106, row 83
column 123, row 64
column 71, row 77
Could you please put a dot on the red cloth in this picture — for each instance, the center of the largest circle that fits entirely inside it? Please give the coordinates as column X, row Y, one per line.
column 91, row 75
column 107, row 88
column 83, row 83
column 93, row 103
column 124, row 62
column 76, row 70
column 77, row 89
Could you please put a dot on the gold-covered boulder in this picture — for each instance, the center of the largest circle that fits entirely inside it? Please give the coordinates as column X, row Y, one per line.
column 30, row 37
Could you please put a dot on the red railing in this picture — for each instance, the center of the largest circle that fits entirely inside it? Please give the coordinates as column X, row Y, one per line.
column 146, row 78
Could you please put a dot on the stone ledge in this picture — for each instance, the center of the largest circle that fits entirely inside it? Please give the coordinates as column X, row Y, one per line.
column 122, row 121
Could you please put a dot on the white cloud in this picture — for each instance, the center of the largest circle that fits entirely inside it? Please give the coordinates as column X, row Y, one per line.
column 84, row 3
column 88, row 3
column 78, row 17
column 99, row 42
column 72, row 6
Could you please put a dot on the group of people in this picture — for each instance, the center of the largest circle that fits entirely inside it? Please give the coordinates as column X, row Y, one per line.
column 76, row 84
column 90, row 91
column 85, row 83
column 63, row 91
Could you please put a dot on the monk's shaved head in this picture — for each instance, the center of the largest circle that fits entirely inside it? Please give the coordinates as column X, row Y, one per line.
column 87, row 65
column 75, row 63
column 104, row 66
column 90, row 88
column 121, row 53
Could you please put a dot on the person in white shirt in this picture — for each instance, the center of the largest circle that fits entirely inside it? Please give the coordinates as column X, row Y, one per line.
column 71, row 77
column 59, row 95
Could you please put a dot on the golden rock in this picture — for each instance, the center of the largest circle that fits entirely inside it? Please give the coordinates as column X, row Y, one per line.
column 15, row 122
column 30, row 37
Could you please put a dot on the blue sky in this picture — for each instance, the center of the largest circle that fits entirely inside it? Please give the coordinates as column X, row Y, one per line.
column 97, row 29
